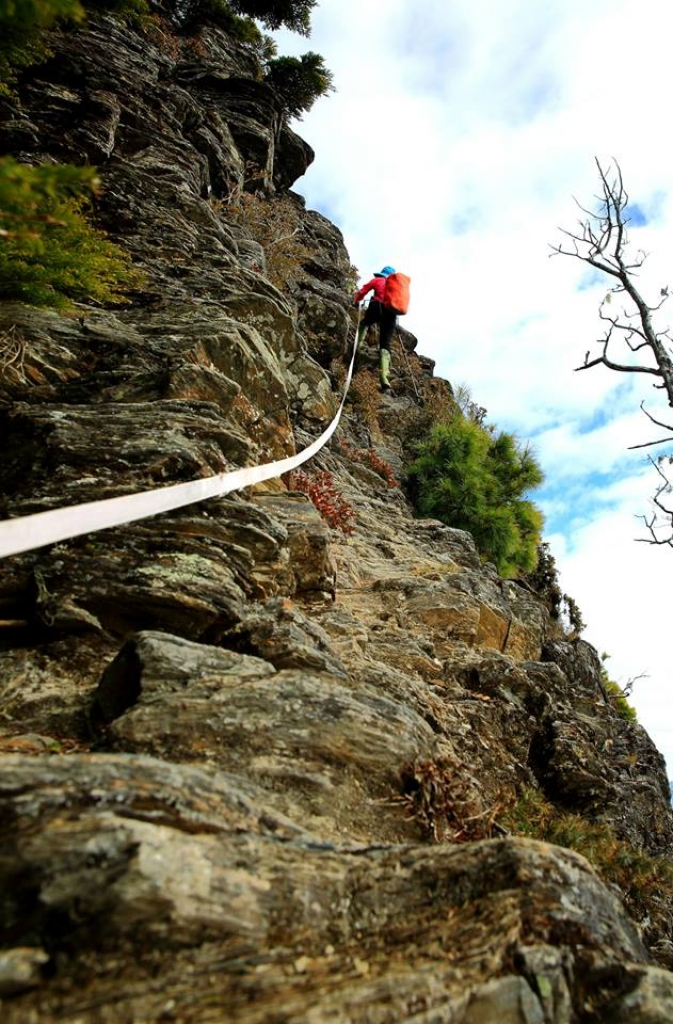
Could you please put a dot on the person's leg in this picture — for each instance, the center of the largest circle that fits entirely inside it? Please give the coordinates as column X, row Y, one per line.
column 372, row 316
column 384, row 368
column 387, row 326
column 387, row 329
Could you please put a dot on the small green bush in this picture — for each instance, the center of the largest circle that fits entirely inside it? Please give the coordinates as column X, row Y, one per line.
column 544, row 581
column 616, row 694
column 646, row 881
column 299, row 81
column 191, row 14
column 122, row 7
column 238, row 17
column 275, row 14
column 24, row 23
column 50, row 254
column 475, row 480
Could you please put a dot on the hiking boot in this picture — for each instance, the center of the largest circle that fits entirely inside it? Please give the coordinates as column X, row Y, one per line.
column 384, row 368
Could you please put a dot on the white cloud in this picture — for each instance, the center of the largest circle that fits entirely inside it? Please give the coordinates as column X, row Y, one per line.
column 622, row 590
column 454, row 145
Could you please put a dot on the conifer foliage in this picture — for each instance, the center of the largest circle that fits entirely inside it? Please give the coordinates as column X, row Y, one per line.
column 472, row 479
column 50, row 254
column 239, row 16
column 544, row 581
column 21, row 26
column 274, row 14
column 299, row 81
column 24, row 23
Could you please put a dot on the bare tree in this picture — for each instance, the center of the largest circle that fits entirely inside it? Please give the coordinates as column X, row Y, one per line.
column 630, row 341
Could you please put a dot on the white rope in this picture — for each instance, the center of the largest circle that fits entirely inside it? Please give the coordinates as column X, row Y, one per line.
column 34, row 531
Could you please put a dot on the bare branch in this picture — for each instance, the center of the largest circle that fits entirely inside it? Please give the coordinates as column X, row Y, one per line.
column 601, row 242
column 653, row 523
column 616, row 366
column 627, row 688
column 658, row 423
column 637, row 348
column 649, row 444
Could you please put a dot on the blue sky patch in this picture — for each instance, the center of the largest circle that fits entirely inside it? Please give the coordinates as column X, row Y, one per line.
column 590, row 279
column 539, row 97
column 637, row 216
column 568, row 506
column 463, row 221
column 640, row 214
column 435, row 50
column 600, row 417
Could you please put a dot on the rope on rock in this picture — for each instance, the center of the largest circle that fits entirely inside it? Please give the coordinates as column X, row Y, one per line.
column 27, row 533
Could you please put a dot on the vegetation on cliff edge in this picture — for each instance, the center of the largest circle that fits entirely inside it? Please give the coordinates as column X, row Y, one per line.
column 645, row 881
column 471, row 478
column 50, row 252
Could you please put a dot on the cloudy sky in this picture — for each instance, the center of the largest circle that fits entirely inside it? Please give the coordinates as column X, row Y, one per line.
column 457, row 138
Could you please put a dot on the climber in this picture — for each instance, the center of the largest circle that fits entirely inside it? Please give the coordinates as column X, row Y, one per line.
column 378, row 313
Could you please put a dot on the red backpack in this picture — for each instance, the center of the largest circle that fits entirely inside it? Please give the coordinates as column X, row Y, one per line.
column 396, row 294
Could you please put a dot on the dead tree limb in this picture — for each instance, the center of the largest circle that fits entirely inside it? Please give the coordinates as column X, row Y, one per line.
column 601, row 241
column 630, row 342
column 662, row 517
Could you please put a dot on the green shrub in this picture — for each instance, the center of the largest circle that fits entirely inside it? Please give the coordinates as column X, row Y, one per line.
column 476, row 480
column 50, row 254
column 645, row 881
column 275, row 14
column 463, row 398
column 545, row 582
column 120, row 7
column 236, row 16
column 617, row 695
column 23, row 25
column 26, row 14
column 191, row 14
column 299, row 81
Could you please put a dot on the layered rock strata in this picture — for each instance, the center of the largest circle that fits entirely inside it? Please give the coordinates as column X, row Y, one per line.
column 254, row 769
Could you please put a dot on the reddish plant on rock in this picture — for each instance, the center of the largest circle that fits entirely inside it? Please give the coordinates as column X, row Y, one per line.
column 369, row 457
column 444, row 799
column 383, row 468
column 330, row 503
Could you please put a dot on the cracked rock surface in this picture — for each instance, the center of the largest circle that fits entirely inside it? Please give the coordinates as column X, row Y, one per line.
column 254, row 769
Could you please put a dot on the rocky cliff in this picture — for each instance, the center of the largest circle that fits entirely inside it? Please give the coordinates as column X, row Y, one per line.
column 254, row 768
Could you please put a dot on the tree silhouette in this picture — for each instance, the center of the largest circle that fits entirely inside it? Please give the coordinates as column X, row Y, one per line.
column 631, row 342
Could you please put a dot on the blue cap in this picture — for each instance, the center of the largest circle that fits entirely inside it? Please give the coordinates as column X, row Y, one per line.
column 385, row 271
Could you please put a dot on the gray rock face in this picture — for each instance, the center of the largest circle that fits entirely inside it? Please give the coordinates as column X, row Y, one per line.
column 175, row 856
column 253, row 768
